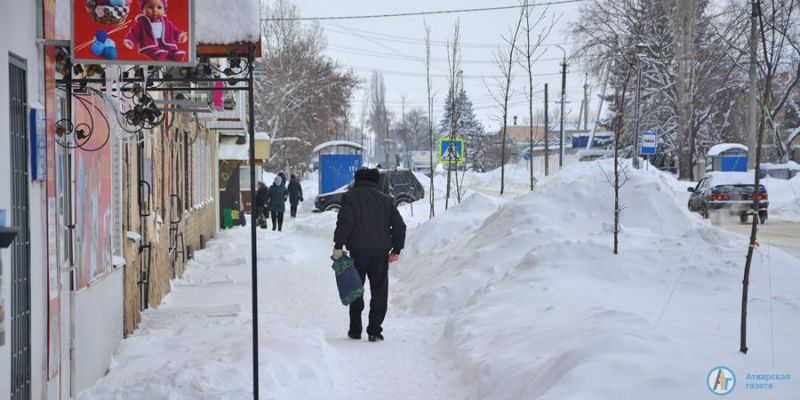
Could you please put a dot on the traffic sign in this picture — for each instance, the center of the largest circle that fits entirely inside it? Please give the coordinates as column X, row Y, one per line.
column 649, row 143
column 451, row 151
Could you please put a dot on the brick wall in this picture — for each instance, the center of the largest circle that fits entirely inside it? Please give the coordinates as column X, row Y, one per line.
column 166, row 168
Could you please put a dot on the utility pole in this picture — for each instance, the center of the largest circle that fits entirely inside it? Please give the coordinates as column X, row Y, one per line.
column 752, row 106
column 546, row 134
column 586, row 103
column 405, row 132
column 563, row 100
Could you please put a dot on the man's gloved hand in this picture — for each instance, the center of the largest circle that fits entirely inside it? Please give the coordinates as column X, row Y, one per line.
column 337, row 254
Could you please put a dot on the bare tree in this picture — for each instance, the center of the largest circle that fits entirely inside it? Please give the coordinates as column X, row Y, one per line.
column 683, row 19
column 620, row 168
column 431, row 193
column 530, row 56
column 298, row 88
column 379, row 116
column 454, row 81
column 504, row 60
column 364, row 107
column 775, row 31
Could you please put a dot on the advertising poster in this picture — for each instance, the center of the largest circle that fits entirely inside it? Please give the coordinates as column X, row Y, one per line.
column 133, row 32
column 93, row 189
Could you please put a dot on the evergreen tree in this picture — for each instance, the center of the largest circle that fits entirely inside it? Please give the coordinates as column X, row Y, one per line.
column 478, row 144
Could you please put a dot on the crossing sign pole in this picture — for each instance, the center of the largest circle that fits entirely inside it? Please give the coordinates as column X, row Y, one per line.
column 649, row 144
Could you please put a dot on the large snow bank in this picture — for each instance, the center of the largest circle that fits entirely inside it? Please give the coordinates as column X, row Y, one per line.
column 542, row 309
column 227, row 21
column 784, row 198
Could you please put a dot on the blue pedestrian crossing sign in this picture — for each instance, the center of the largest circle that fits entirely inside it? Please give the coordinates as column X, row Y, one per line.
column 451, row 151
column 649, row 143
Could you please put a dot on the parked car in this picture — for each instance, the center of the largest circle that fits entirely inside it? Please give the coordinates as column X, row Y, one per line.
column 401, row 184
column 728, row 192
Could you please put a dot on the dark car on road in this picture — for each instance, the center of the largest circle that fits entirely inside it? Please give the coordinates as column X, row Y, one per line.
column 400, row 184
column 728, row 192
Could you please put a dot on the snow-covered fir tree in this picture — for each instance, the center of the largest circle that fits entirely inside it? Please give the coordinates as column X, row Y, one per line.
column 467, row 126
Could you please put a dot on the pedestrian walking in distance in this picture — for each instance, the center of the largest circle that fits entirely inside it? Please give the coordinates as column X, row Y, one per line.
column 277, row 203
column 260, row 211
column 374, row 233
column 295, row 194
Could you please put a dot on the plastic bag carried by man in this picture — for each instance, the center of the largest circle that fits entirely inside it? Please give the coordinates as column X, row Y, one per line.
column 373, row 231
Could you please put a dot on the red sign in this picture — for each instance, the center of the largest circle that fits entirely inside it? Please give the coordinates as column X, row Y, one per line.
column 133, row 32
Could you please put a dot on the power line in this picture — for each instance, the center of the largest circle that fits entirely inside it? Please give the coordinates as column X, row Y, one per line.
column 415, row 41
column 424, row 13
column 421, row 74
column 377, row 54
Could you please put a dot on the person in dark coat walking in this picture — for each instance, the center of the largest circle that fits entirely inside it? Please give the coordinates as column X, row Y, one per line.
column 295, row 194
column 374, row 233
column 277, row 203
column 261, row 202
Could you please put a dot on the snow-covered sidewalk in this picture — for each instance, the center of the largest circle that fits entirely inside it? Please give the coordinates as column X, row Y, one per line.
column 197, row 344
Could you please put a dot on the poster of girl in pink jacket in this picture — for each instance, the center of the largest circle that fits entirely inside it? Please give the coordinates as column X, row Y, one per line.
column 133, row 32
column 154, row 34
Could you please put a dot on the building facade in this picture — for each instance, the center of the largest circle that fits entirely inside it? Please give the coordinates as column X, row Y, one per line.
column 103, row 223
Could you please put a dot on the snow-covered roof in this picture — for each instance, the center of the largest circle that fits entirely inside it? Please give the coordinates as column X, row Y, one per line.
column 791, row 165
column 336, row 143
column 262, row 136
column 227, row 21
column 721, row 148
column 594, row 153
column 731, row 178
column 229, row 150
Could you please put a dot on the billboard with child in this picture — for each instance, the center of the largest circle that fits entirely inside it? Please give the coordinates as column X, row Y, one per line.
column 133, row 32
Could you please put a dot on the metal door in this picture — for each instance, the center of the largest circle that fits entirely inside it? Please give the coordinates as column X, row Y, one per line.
column 20, row 250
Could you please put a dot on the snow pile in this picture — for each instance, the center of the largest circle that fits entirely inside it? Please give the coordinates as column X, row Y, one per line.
column 540, row 308
column 784, row 198
column 517, row 179
column 227, row 21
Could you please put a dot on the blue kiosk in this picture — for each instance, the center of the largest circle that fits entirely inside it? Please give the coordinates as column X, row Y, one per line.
column 727, row 157
column 338, row 162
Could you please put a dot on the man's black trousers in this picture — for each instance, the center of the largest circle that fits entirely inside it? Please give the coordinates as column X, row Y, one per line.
column 376, row 268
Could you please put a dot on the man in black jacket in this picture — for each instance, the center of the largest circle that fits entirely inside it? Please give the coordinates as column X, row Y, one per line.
column 374, row 233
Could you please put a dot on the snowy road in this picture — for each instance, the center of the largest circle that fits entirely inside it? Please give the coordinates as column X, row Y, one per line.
column 197, row 344
column 782, row 234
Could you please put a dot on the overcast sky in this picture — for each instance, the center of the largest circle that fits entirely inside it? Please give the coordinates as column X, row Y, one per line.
column 396, row 47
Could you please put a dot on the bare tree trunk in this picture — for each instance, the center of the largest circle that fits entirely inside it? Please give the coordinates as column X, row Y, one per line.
column 683, row 18
column 431, row 193
column 771, row 60
column 619, row 130
column 454, row 64
column 529, row 54
column 507, row 67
